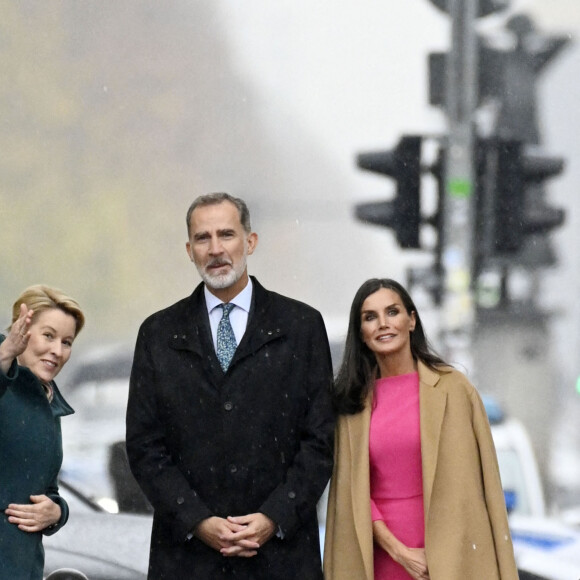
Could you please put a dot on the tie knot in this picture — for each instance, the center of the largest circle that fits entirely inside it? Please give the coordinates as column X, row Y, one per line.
column 227, row 308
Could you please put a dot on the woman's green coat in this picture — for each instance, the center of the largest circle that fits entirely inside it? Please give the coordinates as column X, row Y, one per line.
column 30, row 459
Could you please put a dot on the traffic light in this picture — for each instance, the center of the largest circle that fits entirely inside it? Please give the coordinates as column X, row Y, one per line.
column 507, row 77
column 403, row 213
column 510, row 197
column 490, row 74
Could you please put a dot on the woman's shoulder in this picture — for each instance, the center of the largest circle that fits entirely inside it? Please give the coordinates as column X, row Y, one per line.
column 445, row 375
column 460, row 392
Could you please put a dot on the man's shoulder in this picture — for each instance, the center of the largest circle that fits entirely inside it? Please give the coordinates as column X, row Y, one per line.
column 172, row 312
column 292, row 302
column 283, row 303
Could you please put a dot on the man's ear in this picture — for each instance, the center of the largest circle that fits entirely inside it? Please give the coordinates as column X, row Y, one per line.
column 189, row 250
column 252, row 242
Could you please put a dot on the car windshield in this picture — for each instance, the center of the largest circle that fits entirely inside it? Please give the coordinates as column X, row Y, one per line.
column 512, row 478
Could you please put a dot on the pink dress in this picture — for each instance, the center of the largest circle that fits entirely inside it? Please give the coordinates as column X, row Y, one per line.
column 395, row 468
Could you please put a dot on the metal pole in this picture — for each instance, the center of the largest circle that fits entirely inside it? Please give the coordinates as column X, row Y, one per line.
column 459, row 204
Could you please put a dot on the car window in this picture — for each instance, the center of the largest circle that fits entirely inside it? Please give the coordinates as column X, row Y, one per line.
column 77, row 502
column 98, row 422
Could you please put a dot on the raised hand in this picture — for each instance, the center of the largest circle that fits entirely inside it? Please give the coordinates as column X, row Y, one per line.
column 17, row 338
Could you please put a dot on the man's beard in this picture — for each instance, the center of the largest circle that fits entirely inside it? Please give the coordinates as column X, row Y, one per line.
column 221, row 281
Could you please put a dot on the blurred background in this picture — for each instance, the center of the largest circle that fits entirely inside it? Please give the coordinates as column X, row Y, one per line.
column 116, row 115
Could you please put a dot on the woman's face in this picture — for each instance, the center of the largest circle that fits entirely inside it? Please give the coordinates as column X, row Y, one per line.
column 386, row 324
column 51, row 337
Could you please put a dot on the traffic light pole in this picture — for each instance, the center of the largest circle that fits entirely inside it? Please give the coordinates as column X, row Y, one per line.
column 458, row 313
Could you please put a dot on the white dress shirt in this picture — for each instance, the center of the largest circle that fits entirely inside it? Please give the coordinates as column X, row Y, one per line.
column 238, row 315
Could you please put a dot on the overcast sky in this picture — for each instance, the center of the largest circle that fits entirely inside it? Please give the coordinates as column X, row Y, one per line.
column 355, row 72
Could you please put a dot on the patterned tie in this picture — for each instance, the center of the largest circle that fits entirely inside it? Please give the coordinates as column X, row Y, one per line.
column 226, row 341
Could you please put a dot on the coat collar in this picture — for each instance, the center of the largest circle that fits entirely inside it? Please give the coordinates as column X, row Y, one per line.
column 358, row 427
column 192, row 331
column 432, row 403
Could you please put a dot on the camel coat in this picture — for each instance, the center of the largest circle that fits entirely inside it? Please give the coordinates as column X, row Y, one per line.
column 466, row 526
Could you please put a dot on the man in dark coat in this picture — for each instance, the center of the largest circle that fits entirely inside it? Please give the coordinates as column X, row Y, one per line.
column 233, row 455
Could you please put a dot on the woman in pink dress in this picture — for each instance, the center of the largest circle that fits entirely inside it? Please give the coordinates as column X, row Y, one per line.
column 415, row 492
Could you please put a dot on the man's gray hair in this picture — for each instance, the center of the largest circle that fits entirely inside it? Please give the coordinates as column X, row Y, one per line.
column 217, row 198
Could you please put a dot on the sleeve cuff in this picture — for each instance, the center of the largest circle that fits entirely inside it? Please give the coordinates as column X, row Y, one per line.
column 375, row 512
column 64, row 512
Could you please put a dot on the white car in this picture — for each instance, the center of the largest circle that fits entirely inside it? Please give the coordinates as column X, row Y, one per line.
column 545, row 548
column 519, row 470
column 101, row 545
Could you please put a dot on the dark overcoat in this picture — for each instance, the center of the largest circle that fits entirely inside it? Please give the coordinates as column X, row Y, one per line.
column 30, row 459
column 258, row 438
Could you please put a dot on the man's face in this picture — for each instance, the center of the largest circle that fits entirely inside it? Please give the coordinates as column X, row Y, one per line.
column 219, row 246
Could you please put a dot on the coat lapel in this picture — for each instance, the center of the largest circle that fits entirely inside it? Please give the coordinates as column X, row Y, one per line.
column 264, row 324
column 358, row 436
column 191, row 332
column 432, row 402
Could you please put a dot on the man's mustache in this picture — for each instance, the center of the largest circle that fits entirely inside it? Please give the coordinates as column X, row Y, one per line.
column 217, row 262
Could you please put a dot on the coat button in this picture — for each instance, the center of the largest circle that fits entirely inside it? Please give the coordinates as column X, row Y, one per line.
column 228, row 406
column 292, row 494
column 233, row 468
